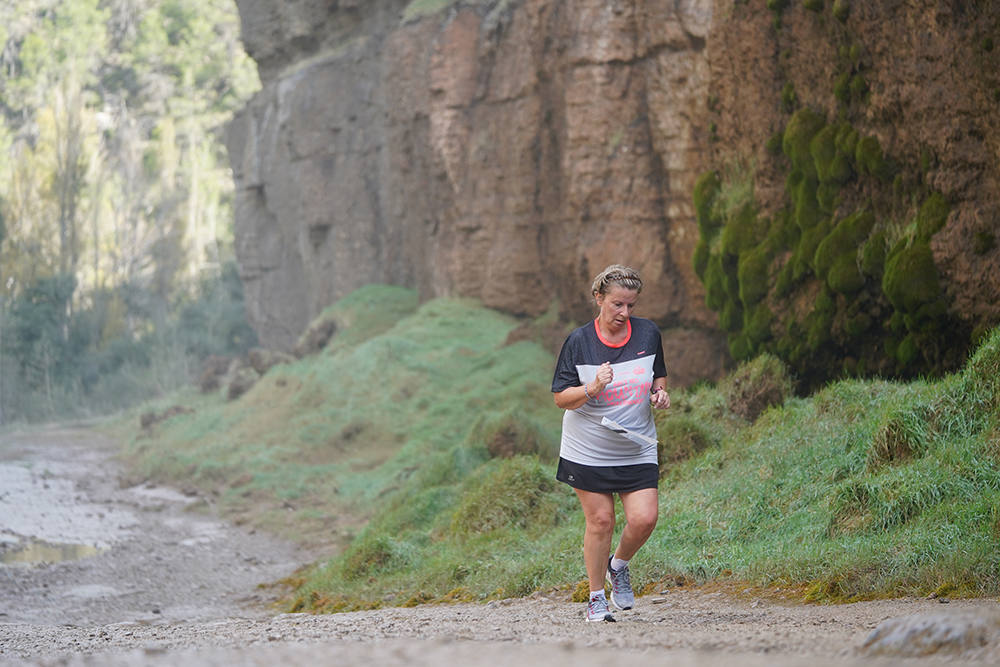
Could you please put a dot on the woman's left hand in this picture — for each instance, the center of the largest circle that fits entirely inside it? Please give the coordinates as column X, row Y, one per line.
column 660, row 399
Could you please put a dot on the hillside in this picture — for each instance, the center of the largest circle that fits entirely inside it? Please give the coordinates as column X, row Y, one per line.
column 418, row 448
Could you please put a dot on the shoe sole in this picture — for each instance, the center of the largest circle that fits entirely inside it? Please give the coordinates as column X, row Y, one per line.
column 621, row 608
column 608, row 618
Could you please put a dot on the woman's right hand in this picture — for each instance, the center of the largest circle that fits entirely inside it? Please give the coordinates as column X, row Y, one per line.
column 604, row 376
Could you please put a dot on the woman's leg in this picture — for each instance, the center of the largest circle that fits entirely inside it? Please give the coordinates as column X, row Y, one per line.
column 599, row 511
column 642, row 508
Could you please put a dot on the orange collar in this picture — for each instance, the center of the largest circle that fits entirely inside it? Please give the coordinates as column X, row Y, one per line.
column 628, row 335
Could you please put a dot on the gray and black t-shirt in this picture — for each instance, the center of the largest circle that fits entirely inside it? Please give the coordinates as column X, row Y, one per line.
column 635, row 362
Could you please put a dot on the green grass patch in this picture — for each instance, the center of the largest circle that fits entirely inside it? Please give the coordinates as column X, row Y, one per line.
column 425, row 449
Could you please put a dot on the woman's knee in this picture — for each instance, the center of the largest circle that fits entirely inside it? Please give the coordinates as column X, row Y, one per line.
column 648, row 523
column 602, row 522
column 643, row 521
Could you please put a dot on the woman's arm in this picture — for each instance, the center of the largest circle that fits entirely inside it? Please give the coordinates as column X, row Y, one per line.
column 573, row 397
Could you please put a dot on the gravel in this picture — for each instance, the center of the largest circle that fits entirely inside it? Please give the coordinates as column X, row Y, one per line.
column 167, row 585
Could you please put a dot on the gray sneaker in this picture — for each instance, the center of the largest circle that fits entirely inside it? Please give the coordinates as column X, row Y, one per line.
column 621, row 587
column 598, row 610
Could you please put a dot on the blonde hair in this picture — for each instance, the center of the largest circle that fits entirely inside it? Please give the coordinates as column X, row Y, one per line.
column 616, row 274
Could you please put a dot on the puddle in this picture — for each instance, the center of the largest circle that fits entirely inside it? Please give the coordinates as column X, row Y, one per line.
column 35, row 553
column 50, row 508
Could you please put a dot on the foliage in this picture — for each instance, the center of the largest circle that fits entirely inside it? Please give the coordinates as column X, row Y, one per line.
column 861, row 490
column 59, row 362
column 756, row 385
column 115, row 183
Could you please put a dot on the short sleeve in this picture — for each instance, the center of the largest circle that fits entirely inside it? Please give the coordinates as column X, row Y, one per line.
column 566, row 375
column 659, row 364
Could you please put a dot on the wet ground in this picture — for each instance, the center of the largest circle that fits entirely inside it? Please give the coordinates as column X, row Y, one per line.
column 77, row 548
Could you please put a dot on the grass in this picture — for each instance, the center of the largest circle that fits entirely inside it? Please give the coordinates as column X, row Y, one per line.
column 420, row 448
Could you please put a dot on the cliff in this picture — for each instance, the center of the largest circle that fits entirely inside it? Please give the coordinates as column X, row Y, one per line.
column 508, row 150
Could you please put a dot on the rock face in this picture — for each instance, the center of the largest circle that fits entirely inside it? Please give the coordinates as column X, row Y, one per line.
column 510, row 149
column 506, row 151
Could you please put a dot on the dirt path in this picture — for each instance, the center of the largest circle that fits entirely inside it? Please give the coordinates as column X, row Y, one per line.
column 143, row 580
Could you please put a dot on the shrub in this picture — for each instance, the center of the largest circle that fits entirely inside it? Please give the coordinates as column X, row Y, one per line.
column 681, row 437
column 756, row 385
column 513, row 493
column 512, row 433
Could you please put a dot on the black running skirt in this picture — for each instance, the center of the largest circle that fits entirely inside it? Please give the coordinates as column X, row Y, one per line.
column 608, row 479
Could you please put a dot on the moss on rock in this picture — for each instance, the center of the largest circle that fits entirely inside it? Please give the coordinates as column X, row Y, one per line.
column 752, row 273
column 757, row 324
column 870, row 160
column 932, row 215
column 911, row 277
column 802, row 127
column 700, row 259
column 706, row 190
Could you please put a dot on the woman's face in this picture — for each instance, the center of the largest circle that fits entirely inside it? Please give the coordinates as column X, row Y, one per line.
column 617, row 305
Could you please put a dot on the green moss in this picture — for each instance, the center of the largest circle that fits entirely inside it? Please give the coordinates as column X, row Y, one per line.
column 855, row 54
column 753, row 275
column 869, row 159
column 777, row 5
column 786, row 280
column 731, row 317
column 836, row 257
column 844, row 276
column 700, row 259
column 806, row 252
column 819, row 325
column 806, row 210
column 729, row 266
column 789, row 100
column 828, row 197
column 742, row 231
column 844, row 239
column 813, row 5
column 823, row 149
column 842, row 87
column 927, row 159
column 757, row 324
column 841, row 10
column 739, row 347
column 911, row 278
column 907, row 351
column 873, row 255
column 932, row 215
column 706, row 190
column 858, row 88
column 858, row 324
column 802, row 127
column 715, row 283
column 846, row 140
column 987, row 44
column 783, row 232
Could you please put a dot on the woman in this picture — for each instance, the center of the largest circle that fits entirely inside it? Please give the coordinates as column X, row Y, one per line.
column 609, row 373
